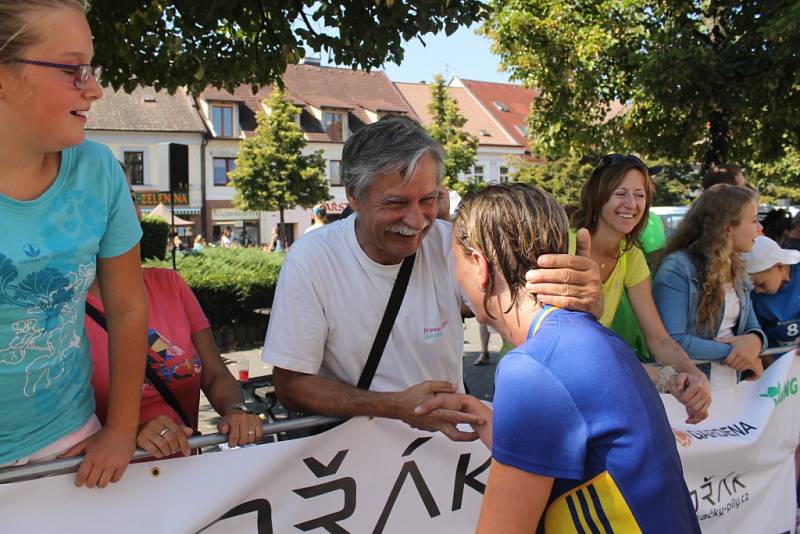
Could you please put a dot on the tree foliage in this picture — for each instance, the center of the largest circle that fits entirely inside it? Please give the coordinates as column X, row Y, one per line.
column 701, row 80
column 272, row 173
column 563, row 178
column 675, row 184
column 173, row 43
column 446, row 127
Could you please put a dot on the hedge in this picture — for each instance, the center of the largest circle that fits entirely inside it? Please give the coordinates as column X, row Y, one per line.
column 155, row 233
column 230, row 283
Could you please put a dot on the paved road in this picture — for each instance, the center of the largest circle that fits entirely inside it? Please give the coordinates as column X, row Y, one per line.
column 479, row 380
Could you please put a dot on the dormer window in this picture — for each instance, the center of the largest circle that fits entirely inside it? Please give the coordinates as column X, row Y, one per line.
column 333, row 123
column 485, row 133
column 222, row 119
column 148, row 98
column 499, row 105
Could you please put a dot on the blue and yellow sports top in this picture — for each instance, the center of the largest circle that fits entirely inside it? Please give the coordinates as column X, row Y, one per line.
column 574, row 403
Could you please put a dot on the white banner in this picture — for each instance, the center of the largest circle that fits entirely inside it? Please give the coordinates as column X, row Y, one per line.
column 366, row 475
column 377, row 475
column 739, row 463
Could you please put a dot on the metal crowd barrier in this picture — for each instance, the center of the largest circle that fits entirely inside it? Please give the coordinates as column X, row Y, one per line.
column 70, row 465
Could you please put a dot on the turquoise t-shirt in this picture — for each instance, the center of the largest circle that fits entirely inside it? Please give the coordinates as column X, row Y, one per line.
column 48, row 254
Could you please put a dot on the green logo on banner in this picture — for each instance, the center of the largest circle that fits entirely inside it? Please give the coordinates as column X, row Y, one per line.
column 778, row 394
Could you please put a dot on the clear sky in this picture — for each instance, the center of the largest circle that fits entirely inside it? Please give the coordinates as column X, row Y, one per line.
column 462, row 54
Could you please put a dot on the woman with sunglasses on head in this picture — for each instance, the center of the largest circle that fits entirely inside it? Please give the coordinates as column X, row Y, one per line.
column 67, row 216
column 701, row 288
column 580, row 440
column 614, row 207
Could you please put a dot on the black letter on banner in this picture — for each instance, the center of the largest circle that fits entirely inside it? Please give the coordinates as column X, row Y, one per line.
column 462, row 478
column 329, row 522
column 409, row 468
column 263, row 517
column 321, row 470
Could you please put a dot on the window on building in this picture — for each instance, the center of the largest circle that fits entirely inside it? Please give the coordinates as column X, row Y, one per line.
column 477, row 172
column 222, row 119
column 503, row 174
column 335, row 172
column 499, row 105
column 333, row 122
column 222, row 166
column 134, row 166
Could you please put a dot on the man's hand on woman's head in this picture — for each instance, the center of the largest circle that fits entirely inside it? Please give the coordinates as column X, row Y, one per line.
column 568, row 281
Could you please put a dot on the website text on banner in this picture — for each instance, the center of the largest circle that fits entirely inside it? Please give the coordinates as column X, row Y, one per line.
column 366, row 475
column 739, row 463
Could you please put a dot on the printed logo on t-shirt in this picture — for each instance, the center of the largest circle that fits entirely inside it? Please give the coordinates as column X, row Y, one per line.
column 169, row 360
column 432, row 332
column 31, row 250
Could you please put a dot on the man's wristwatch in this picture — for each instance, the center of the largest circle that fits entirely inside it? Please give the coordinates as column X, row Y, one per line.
column 240, row 406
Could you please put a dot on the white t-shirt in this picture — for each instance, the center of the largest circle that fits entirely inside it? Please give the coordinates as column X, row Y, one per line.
column 330, row 300
column 730, row 315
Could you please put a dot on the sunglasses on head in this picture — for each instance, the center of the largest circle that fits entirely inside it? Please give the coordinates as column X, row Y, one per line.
column 615, row 159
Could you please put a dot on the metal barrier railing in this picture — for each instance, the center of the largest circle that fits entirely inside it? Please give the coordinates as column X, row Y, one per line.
column 70, row 465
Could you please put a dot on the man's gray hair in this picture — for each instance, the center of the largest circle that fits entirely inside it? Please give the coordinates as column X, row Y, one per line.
column 393, row 144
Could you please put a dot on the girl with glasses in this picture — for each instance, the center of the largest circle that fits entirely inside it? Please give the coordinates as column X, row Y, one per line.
column 614, row 207
column 66, row 218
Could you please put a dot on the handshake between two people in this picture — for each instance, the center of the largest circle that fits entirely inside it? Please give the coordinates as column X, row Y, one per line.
column 435, row 405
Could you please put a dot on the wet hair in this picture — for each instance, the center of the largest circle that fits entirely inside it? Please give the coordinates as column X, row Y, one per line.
column 721, row 174
column 602, row 183
column 512, row 224
column 18, row 30
column 393, row 144
column 703, row 234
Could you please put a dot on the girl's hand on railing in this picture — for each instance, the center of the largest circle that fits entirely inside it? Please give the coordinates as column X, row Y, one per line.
column 106, row 456
column 163, row 437
column 744, row 353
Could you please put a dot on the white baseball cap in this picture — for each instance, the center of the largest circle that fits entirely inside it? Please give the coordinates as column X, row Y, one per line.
column 767, row 253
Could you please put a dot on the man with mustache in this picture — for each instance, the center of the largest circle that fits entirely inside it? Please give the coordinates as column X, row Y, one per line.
column 335, row 283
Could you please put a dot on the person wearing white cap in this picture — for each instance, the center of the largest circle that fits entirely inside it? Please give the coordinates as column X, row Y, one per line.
column 775, row 272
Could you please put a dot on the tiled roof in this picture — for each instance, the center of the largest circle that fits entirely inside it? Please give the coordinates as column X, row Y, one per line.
column 479, row 123
column 144, row 110
column 516, row 101
column 355, row 92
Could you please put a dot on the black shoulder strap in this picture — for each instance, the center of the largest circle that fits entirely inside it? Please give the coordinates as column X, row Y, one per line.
column 389, row 316
column 98, row 317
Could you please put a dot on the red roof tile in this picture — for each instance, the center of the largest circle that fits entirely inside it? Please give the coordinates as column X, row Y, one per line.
column 515, row 99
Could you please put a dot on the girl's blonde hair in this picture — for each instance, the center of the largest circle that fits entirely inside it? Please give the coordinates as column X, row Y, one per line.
column 512, row 225
column 17, row 24
column 605, row 178
column 703, row 234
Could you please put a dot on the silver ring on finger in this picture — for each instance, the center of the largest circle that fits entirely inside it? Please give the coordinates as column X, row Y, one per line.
column 163, row 431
